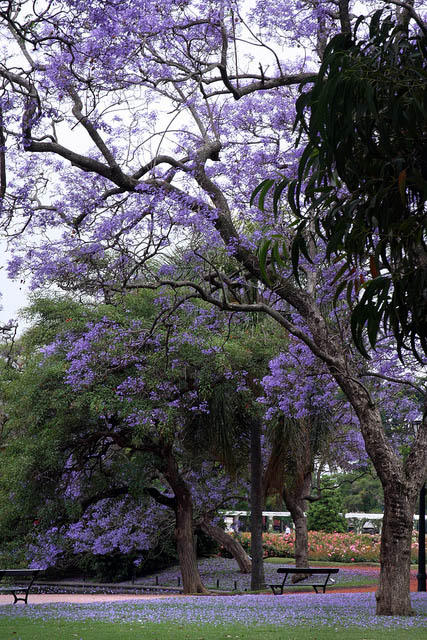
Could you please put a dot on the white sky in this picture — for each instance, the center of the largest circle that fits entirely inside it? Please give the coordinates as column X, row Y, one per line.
column 13, row 294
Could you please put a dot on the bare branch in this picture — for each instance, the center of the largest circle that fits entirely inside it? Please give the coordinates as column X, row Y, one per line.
column 374, row 374
column 409, row 12
column 87, row 124
column 3, row 179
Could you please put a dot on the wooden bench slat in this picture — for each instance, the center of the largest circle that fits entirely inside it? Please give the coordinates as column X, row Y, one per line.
column 28, row 576
column 309, row 572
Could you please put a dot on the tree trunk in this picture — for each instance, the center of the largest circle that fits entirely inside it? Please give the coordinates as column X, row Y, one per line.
column 184, row 528
column 257, row 503
column 301, row 540
column 228, row 542
column 297, row 506
column 401, row 478
column 185, row 545
column 393, row 596
column 401, row 481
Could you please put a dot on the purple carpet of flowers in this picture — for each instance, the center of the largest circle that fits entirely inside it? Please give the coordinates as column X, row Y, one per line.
column 302, row 610
column 226, row 571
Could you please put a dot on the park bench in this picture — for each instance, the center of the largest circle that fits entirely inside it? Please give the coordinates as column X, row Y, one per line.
column 21, row 582
column 313, row 578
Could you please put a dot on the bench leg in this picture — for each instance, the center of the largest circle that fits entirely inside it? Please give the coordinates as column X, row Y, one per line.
column 323, row 587
column 17, row 599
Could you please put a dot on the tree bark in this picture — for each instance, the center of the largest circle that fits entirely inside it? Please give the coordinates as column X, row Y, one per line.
column 257, row 503
column 297, row 506
column 401, row 481
column 301, row 540
column 184, row 527
column 232, row 545
column 393, row 594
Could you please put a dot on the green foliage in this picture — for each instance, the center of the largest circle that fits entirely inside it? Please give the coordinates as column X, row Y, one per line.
column 362, row 177
column 34, row 445
column 360, row 494
column 326, row 514
column 117, row 567
column 206, row 546
column 49, row 424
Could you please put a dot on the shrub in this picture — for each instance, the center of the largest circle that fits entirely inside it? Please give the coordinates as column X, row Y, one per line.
column 326, row 514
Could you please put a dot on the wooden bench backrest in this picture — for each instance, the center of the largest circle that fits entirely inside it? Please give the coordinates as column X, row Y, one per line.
column 312, row 570
column 19, row 573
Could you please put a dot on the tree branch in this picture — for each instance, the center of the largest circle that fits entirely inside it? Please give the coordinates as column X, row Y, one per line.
column 102, row 495
column 373, row 374
column 161, row 498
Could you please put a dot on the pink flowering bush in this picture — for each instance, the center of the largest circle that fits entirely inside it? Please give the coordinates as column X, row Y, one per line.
column 336, row 547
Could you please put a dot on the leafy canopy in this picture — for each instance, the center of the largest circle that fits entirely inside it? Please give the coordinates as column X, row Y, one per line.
column 362, row 177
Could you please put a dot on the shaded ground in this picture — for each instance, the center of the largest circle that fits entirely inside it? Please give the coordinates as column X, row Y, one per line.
column 211, row 570
column 223, row 573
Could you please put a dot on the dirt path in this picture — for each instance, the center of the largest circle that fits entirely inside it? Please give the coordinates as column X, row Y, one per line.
column 80, row 598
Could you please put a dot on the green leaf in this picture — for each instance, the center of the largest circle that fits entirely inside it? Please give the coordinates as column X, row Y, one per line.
column 261, row 191
column 374, row 319
column 275, row 254
column 340, row 272
column 340, row 288
column 357, row 323
column 277, row 194
column 262, row 257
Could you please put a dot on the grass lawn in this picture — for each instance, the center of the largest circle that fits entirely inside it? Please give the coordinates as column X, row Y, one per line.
column 21, row 629
column 303, row 616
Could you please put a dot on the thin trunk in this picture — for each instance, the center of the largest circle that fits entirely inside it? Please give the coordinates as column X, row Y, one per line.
column 184, row 528
column 185, row 545
column 301, row 540
column 257, row 503
column 421, row 576
column 228, row 542
column 344, row 16
column 297, row 506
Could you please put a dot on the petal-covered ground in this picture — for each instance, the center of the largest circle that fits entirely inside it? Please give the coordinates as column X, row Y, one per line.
column 305, row 609
column 226, row 571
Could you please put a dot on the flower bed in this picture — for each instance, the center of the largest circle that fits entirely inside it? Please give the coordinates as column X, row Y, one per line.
column 334, row 547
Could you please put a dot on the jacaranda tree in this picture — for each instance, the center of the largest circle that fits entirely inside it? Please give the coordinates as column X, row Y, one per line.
column 362, row 178
column 120, row 426
column 128, row 130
